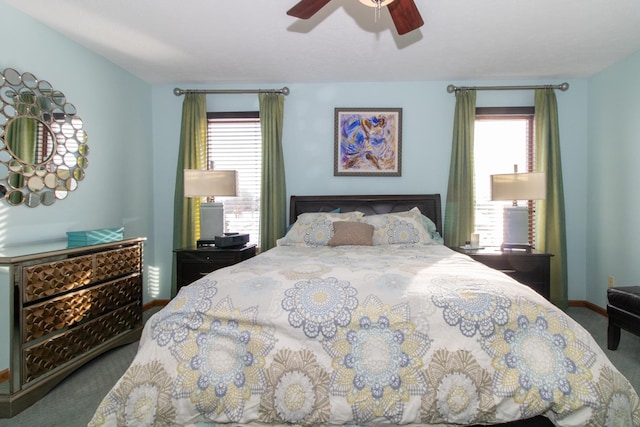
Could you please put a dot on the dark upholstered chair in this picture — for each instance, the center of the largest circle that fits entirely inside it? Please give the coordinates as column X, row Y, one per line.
column 623, row 308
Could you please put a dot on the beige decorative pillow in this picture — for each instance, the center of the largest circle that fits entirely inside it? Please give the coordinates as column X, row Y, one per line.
column 351, row 233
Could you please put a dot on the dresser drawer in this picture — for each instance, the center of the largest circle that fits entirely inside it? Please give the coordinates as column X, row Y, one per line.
column 52, row 278
column 52, row 353
column 209, row 257
column 56, row 277
column 41, row 319
column 192, row 271
column 192, row 264
column 531, row 272
column 116, row 263
column 531, row 269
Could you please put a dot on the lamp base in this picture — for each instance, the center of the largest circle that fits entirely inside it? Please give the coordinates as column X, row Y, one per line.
column 211, row 220
column 515, row 223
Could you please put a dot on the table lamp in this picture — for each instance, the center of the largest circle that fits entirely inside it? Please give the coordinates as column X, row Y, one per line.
column 517, row 186
column 210, row 183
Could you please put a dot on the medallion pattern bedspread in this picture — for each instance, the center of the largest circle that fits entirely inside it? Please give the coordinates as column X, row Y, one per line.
column 396, row 334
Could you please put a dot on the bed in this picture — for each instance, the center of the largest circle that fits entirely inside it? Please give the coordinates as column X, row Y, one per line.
column 361, row 316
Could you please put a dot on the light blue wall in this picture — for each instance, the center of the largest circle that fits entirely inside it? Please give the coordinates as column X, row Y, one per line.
column 613, row 203
column 308, row 143
column 115, row 108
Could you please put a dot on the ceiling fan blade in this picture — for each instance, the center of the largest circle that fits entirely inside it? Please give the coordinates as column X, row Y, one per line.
column 405, row 16
column 305, row 9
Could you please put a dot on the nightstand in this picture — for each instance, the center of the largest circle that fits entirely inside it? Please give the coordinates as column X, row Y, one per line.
column 193, row 263
column 531, row 268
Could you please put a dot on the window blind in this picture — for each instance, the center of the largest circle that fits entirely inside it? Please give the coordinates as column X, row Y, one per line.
column 234, row 142
column 502, row 139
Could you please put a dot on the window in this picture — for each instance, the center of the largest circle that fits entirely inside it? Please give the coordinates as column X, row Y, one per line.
column 234, row 142
column 503, row 138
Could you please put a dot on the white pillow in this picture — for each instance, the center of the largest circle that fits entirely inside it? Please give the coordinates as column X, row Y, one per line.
column 315, row 228
column 398, row 228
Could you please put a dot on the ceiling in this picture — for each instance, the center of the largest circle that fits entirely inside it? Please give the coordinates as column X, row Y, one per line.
column 247, row 41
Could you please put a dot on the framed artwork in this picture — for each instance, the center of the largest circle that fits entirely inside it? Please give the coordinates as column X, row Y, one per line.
column 368, row 142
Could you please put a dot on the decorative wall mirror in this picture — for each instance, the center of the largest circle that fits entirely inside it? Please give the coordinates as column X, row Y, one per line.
column 43, row 147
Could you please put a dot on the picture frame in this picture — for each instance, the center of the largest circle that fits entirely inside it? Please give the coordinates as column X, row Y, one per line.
column 368, row 142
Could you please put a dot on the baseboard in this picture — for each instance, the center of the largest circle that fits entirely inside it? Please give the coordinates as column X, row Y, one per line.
column 591, row 306
column 4, row 376
column 155, row 303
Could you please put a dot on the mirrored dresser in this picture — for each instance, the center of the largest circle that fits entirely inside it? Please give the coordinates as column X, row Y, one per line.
column 64, row 306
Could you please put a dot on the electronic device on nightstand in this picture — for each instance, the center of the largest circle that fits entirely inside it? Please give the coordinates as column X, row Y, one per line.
column 231, row 240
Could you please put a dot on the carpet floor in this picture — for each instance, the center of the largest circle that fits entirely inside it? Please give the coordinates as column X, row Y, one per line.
column 73, row 402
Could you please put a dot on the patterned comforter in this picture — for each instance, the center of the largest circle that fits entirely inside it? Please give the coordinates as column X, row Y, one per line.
column 397, row 334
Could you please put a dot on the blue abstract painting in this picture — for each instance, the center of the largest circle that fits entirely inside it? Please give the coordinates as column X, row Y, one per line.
column 368, row 141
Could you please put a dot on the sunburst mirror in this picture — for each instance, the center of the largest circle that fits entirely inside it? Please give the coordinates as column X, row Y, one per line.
column 43, row 146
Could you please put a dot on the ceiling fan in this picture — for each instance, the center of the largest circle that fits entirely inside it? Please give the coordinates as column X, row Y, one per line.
column 404, row 13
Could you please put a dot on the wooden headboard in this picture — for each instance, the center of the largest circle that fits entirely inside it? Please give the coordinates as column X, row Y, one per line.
column 429, row 205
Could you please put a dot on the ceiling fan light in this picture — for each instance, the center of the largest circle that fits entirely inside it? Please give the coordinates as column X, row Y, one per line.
column 375, row 3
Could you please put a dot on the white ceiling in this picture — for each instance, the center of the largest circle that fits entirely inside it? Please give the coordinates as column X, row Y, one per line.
column 238, row 41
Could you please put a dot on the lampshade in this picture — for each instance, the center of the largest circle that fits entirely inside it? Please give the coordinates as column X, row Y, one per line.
column 204, row 183
column 518, row 186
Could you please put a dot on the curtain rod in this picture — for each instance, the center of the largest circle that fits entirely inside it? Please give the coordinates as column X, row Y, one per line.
column 563, row 87
column 177, row 91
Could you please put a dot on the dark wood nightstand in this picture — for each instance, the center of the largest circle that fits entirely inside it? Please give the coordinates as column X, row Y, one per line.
column 193, row 263
column 531, row 268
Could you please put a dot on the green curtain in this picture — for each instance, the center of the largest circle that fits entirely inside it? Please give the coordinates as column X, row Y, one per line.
column 550, row 216
column 191, row 155
column 459, row 221
column 273, row 196
column 22, row 139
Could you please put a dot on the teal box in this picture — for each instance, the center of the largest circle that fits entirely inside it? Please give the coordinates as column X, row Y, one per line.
column 94, row 237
